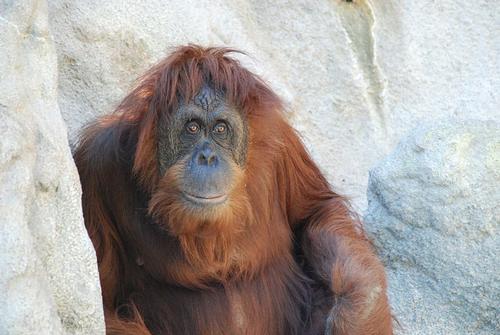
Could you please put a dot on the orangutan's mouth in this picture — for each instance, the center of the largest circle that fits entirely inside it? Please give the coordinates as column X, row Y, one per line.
column 205, row 199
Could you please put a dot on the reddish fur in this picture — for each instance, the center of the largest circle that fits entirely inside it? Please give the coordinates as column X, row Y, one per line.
column 285, row 250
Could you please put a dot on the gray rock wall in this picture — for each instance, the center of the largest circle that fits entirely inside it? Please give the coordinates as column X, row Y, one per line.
column 356, row 75
column 434, row 212
column 48, row 274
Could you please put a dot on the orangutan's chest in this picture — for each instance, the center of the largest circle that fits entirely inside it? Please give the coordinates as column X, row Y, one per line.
column 268, row 304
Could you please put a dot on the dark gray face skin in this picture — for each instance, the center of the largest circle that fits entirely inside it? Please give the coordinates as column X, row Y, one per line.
column 208, row 135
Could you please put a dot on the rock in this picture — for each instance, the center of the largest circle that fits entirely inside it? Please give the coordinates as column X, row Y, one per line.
column 48, row 273
column 434, row 213
column 356, row 75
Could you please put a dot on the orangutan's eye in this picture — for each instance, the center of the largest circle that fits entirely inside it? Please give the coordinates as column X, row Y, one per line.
column 220, row 128
column 193, row 127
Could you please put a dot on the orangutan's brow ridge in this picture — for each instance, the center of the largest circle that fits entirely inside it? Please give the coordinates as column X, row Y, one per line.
column 207, row 98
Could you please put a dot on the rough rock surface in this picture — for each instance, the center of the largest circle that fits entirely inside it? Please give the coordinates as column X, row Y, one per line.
column 357, row 75
column 48, row 274
column 435, row 215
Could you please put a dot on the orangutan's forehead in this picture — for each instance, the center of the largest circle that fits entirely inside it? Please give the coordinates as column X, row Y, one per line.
column 208, row 98
column 207, row 105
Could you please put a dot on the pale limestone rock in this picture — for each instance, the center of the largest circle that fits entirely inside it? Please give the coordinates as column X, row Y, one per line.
column 435, row 215
column 48, row 273
column 356, row 75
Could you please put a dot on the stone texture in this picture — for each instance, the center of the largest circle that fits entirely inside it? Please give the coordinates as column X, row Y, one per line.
column 48, row 272
column 356, row 75
column 435, row 215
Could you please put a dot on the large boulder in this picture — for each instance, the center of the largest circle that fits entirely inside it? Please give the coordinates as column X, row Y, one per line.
column 48, row 274
column 357, row 75
column 434, row 211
